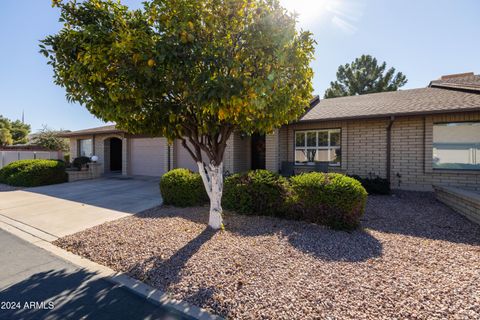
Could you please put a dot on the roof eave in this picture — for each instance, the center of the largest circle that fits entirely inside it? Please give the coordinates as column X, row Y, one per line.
column 79, row 134
column 387, row 115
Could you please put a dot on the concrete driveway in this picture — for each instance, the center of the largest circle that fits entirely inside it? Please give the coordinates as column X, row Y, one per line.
column 54, row 211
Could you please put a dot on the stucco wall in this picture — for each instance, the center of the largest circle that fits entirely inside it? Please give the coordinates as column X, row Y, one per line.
column 241, row 148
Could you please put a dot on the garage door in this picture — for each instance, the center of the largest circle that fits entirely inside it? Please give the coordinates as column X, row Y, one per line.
column 148, row 156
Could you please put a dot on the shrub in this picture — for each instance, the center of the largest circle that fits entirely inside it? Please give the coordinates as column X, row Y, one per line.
column 258, row 192
column 32, row 173
column 80, row 162
column 327, row 198
column 183, row 188
column 375, row 185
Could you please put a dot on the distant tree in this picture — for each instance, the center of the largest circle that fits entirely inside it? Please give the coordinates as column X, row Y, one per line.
column 189, row 70
column 17, row 129
column 5, row 123
column 19, row 132
column 50, row 139
column 362, row 76
column 5, row 137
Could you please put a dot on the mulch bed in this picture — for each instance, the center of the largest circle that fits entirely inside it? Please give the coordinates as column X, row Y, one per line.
column 414, row 258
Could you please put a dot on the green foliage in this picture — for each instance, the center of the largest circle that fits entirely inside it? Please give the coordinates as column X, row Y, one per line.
column 328, row 198
column 32, row 173
column 183, row 188
column 258, row 192
column 19, row 131
column 375, row 185
column 362, row 76
column 331, row 199
column 13, row 132
column 80, row 162
column 50, row 139
column 182, row 68
column 5, row 137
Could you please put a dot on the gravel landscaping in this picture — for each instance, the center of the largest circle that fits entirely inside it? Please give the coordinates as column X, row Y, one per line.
column 414, row 258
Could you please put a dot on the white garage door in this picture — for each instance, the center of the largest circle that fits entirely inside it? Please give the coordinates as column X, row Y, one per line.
column 148, row 156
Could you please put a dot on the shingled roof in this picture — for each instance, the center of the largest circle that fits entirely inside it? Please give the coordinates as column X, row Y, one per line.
column 434, row 99
column 97, row 130
column 465, row 81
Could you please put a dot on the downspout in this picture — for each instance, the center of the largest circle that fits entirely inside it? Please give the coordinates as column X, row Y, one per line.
column 93, row 145
column 389, row 148
column 168, row 155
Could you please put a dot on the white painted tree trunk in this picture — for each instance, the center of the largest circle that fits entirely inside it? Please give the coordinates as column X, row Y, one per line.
column 212, row 177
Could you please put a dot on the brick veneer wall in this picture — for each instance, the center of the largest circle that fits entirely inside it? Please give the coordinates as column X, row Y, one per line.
column 364, row 150
column 99, row 149
column 464, row 202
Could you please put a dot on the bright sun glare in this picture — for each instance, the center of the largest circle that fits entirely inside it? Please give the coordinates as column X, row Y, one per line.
column 341, row 13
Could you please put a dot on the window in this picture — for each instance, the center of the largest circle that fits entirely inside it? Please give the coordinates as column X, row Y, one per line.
column 85, row 147
column 318, row 146
column 456, row 146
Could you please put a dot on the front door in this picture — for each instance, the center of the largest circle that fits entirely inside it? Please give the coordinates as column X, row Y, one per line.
column 258, row 151
column 115, row 154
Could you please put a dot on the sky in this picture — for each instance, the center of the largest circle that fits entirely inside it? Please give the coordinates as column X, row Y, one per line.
column 424, row 39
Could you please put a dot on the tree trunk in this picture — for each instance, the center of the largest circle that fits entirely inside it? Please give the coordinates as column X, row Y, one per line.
column 212, row 177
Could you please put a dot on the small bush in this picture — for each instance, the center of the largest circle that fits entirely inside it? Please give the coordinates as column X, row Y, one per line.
column 259, row 192
column 332, row 199
column 183, row 188
column 32, row 173
column 375, row 185
column 80, row 162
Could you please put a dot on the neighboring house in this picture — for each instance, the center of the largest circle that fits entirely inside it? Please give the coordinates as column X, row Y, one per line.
column 415, row 138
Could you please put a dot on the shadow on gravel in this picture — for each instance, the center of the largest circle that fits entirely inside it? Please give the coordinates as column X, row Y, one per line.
column 77, row 295
column 321, row 242
column 419, row 214
column 167, row 271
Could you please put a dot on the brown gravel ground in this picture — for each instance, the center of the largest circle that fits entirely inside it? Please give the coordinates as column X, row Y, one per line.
column 414, row 258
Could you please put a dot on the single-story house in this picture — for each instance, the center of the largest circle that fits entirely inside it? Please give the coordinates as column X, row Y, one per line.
column 415, row 138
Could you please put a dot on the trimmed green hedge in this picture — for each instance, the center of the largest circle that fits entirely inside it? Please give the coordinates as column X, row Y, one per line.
column 375, row 185
column 32, row 173
column 258, row 192
column 331, row 199
column 183, row 188
column 79, row 162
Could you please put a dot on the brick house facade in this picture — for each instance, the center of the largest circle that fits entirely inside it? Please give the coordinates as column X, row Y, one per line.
column 389, row 135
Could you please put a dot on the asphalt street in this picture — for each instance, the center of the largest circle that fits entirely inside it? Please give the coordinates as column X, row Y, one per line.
column 35, row 284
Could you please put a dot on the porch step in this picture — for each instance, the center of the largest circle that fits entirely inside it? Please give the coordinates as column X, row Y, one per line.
column 465, row 202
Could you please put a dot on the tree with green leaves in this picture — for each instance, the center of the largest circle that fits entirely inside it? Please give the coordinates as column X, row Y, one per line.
column 362, row 76
column 19, row 131
column 5, row 137
column 50, row 139
column 189, row 70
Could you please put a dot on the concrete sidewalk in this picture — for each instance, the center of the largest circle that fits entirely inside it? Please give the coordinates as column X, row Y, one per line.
column 54, row 211
column 40, row 285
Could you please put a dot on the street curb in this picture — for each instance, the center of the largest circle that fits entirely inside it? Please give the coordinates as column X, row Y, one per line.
column 153, row 295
